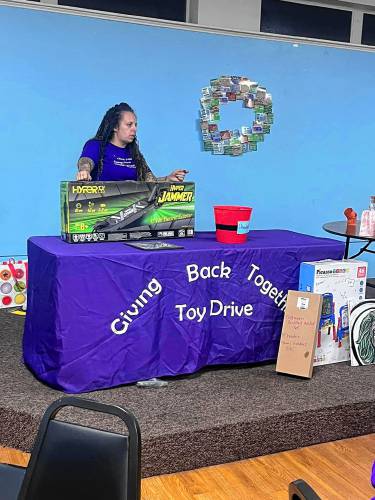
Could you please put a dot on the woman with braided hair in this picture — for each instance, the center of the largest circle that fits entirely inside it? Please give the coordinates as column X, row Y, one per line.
column 113, row 154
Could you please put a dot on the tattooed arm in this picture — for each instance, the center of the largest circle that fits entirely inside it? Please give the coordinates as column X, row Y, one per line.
column 148, row 176
column 85, row 167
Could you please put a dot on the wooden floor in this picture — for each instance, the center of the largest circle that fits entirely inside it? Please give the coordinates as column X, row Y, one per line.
column 336, row 470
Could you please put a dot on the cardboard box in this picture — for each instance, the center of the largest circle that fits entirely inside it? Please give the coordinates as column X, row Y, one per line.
column 299, row 333
column 126, row 210
column 338, row 281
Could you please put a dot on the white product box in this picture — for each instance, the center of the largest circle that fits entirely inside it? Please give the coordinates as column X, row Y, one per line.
column 338, row 281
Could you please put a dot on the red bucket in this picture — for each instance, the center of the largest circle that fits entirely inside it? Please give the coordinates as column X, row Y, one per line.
column 232, row 223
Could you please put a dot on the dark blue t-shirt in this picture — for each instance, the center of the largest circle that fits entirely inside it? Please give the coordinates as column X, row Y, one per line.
column 118, row 165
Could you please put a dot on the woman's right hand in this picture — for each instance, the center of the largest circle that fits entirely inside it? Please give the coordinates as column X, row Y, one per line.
column 83, row 175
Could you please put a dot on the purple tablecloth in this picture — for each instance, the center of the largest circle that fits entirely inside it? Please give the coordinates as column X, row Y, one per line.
column 105, row 314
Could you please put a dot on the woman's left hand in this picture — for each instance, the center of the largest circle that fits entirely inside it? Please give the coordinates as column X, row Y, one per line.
column 177, row 175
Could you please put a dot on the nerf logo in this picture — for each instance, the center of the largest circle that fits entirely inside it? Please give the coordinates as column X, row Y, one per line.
column 88, row 189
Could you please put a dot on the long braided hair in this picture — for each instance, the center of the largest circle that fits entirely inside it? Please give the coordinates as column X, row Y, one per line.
column 104, row 134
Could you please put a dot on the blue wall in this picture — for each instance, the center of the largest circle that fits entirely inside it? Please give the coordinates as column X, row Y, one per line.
column 61, row 72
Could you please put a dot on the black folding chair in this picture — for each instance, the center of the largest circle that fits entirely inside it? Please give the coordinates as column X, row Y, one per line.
column 300, row 490
column 75, row 462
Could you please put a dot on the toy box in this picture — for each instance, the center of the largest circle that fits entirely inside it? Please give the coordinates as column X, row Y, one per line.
column 338, row 281
column 13, row 283
column 126, row 210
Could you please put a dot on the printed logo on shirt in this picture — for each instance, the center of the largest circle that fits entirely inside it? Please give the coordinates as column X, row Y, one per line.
column 123, row 162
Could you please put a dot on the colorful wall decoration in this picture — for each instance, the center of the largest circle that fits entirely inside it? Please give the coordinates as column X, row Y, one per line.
column 222, row 91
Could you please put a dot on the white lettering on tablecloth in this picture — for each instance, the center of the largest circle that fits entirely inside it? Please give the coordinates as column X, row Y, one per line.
column 267, row 288
column 120, row 325
column 204, row 272
column 233, row 309
column 216, row 308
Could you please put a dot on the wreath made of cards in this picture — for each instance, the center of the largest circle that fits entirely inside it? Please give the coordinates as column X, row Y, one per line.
column 227, row 89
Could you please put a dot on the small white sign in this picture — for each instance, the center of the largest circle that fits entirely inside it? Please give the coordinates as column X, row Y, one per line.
column 243, row 227
column 303, row 303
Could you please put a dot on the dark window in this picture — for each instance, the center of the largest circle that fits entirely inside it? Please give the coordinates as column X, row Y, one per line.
column 173, row 10
column 368, row 30
column 287, row 18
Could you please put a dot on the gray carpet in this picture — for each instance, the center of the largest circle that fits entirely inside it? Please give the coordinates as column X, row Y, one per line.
column 224, row 414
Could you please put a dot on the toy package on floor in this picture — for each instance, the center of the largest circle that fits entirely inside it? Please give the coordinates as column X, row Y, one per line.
column 338, row 281
column 13, row 283
column 126, row 210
